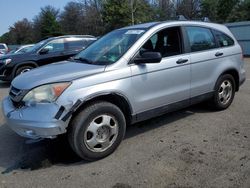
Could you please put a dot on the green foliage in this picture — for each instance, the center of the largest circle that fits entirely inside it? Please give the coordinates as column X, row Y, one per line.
column 224, row 9
column 209, row 9
column 96, row 17
column 5, row 38
column 118, row 14
column 19, row 33
column 46, row 23
column 241, row 12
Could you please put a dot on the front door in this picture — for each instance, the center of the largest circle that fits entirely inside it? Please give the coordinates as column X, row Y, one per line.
column 158, row 85
column 55, row 52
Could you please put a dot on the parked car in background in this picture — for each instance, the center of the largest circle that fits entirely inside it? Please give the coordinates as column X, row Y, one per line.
column 3, row 49
column 21, row 49
column 129, row 75
column 45, row 52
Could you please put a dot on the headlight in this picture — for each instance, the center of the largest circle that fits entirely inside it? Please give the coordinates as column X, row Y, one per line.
column 46, row 93
column 6, row 61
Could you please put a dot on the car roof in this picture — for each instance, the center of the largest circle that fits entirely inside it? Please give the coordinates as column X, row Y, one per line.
column 149, row 25
column 70, row 36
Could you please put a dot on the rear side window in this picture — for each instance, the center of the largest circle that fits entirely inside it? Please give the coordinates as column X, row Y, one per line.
column 223, row 39
column 78, row 43
column 200, row 38
column 75, row 43
column 2, row 46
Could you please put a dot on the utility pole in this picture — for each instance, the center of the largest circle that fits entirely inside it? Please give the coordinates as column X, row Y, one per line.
column 132, row 11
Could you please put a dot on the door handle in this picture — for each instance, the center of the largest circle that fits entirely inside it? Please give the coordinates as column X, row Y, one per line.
column 181, row 61
column 218, row 54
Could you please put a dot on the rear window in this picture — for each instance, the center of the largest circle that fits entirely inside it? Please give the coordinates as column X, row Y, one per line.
column 223, row 39
column 2, row 47
column 200, row 38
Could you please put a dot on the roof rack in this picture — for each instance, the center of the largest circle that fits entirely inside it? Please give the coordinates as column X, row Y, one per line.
column 181, row 18
column 206, row 19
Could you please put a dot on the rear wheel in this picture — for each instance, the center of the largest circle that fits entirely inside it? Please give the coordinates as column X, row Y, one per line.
column 97, row 131
column 224, row 92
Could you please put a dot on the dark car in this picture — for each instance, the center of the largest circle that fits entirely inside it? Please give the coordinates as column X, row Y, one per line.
column 45, row 52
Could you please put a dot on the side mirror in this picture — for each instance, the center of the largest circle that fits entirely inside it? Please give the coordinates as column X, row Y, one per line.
column 148, row 57
column 44, row 51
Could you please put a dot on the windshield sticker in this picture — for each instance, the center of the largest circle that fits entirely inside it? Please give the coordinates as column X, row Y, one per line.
column 225, row 43
column 134, row 32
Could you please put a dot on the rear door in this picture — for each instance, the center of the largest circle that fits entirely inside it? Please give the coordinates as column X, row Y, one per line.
column 205, row 59
column 160, row 84
column 74, row 46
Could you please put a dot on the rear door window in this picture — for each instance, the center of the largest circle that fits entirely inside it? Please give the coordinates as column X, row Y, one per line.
column 223, row 39
column 200, row 38
column 75, row 43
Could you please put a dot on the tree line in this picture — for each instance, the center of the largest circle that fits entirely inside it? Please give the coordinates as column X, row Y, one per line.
column 97, row 17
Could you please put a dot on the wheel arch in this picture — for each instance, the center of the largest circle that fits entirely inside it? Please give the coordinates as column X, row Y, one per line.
column 235, row 75
column 25, row 63
column 115, row 98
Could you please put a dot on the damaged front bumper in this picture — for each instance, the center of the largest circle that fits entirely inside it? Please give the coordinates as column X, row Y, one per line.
column 35, row 121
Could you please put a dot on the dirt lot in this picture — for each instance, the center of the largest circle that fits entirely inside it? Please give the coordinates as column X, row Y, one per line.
column 194, row 147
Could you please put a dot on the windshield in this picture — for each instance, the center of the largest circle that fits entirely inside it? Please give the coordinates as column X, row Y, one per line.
column 36, row 46
column 110, row 48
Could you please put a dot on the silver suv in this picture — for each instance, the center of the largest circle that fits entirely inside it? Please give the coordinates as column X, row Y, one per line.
column 129, row 75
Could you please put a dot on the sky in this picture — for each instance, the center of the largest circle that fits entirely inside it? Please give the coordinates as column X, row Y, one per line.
column 14, row 10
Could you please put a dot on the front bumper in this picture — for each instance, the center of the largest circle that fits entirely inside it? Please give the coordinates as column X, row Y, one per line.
column 33, row 122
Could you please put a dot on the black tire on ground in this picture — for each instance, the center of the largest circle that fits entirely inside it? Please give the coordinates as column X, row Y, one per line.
column 220, row 101
column 91, row 124
column 23, row 69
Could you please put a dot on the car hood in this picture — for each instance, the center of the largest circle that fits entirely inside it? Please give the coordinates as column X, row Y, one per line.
column 57, row 72
column 15, row 56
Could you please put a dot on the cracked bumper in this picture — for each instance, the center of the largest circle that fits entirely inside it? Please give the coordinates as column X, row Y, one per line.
column 35, row 121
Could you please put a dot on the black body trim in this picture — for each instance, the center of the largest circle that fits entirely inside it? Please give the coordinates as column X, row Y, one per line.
column 59, row 113
column 72, row 109
column 170, row 108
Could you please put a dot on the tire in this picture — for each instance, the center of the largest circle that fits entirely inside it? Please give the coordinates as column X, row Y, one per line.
column 96, row 131
column 224, row 92
column 23, row 69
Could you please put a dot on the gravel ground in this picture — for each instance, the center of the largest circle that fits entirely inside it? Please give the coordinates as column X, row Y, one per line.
column 194, row 147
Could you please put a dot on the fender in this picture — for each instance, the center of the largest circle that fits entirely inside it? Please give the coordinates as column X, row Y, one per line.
column 81, row 102
column 31, row 63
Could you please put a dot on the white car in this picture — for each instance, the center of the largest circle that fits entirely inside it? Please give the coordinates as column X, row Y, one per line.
column 21, row 49
column 3, row 49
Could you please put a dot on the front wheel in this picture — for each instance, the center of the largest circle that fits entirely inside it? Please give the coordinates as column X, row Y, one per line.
column 224, row 92
column 97, row 130
column 23, row 69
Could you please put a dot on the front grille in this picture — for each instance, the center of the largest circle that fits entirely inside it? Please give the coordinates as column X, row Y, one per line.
column 16, row 95
column 17, row 104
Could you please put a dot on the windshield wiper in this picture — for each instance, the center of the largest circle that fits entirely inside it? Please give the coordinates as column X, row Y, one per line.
column 83, row 60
